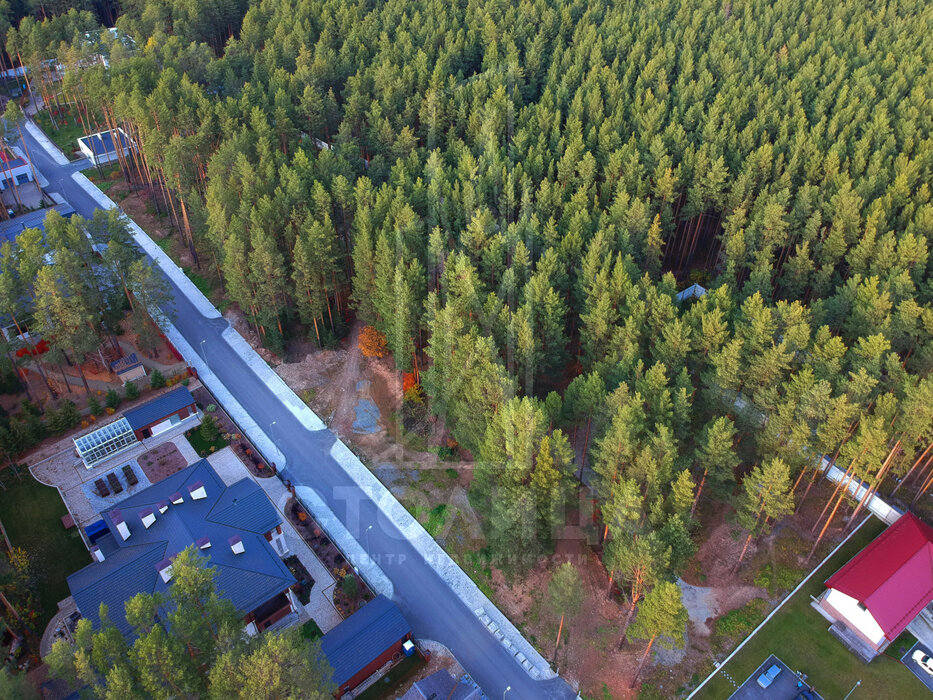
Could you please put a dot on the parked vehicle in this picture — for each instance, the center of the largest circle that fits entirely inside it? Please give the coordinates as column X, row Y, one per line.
column 923, row 661
column 767, row 678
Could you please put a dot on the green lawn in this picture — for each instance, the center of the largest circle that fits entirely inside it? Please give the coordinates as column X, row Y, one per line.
column 65, row 137
column 31, row 514
column 385, row 686
column 202, row 446
column 310, row 630
column 798, row 636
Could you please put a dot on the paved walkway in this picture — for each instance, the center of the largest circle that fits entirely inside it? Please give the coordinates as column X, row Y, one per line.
column 66, row 472
column 321, row 607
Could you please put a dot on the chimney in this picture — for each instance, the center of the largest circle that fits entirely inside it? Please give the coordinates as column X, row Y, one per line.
column 162, row 506
column 97, row 553
column 164, row 568
column 148, row 517
column 117, row 517
column 204, row 543
column 176, row 498
column 197, row 491
column 236, row 544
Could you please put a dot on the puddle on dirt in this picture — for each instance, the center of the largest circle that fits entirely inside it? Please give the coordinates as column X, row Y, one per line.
column 395, row 479
column 367, row 413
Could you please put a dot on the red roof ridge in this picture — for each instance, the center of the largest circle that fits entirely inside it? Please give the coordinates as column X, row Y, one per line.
column 893, row 575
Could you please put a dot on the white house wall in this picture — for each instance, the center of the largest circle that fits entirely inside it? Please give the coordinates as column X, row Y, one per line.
column 855, row 617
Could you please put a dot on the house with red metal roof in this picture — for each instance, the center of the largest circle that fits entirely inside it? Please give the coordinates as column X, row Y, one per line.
column 882, row 589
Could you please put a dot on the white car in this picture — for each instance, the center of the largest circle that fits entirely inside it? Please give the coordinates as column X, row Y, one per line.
column 923, row 661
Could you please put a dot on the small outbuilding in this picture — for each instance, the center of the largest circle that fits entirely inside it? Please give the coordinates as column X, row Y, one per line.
column 160, row 414
column 128, row 368
column 14, row 168
column 366, row 641
column 106, row 146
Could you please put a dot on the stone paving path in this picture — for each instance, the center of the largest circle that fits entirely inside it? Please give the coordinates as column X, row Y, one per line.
column 66, row 472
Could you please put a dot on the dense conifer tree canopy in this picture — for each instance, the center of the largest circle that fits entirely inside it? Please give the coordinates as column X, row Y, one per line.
column 513, row 194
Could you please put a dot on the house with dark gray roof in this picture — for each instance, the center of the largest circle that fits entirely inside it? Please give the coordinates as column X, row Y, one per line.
column 235, row 527
column 151, row 418
column 370, row 638
column 442, row 686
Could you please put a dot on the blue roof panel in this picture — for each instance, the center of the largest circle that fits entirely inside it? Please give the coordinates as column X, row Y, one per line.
column 363, row 637
column 11, row 228
column 157, row 409
column 102, row 143
column 248, row 579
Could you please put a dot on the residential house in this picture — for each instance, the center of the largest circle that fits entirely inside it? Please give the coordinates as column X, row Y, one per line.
column 106, row 146
column 882, row 590
column 151, row 418
column 160, row 414
column 442, row 686
column 235, row 526
column 369, row 639
column 13, row 168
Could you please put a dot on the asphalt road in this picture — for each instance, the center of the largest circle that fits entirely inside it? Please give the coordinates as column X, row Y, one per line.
column 915, row 668
column 431, row 607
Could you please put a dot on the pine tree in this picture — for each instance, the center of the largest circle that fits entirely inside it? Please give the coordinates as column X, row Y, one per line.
column 766, row 496
column 662, row 616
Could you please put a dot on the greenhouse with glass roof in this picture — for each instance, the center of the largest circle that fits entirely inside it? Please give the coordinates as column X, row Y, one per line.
column 105, row 442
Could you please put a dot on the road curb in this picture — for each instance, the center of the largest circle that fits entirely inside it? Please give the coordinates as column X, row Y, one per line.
column 46, row 143
column 335, row 529
column 168, row 266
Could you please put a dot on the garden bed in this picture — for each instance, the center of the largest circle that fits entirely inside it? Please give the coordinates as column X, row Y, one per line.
column 305, row 580
column 351, row 591
column 229, row 435
column 162, row 461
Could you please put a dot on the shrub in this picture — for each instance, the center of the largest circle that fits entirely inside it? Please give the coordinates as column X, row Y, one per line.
column 209, row 430
column 372, row 343
column 350, row 586
column 414, row 394
column 132, row 391
column 156, row 379
column 112, row 400
column 94, row 405
column 408, row 381
column 739, row 622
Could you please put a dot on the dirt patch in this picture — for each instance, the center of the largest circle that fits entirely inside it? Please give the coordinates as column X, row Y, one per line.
column 162, row 461
column 589, row 656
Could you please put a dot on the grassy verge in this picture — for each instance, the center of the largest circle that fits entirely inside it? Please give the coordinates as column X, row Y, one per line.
column 433, row 520
column 798, row 636
column 385, row 686
column 202, row 446
column 31, row 513
column 65, row 136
